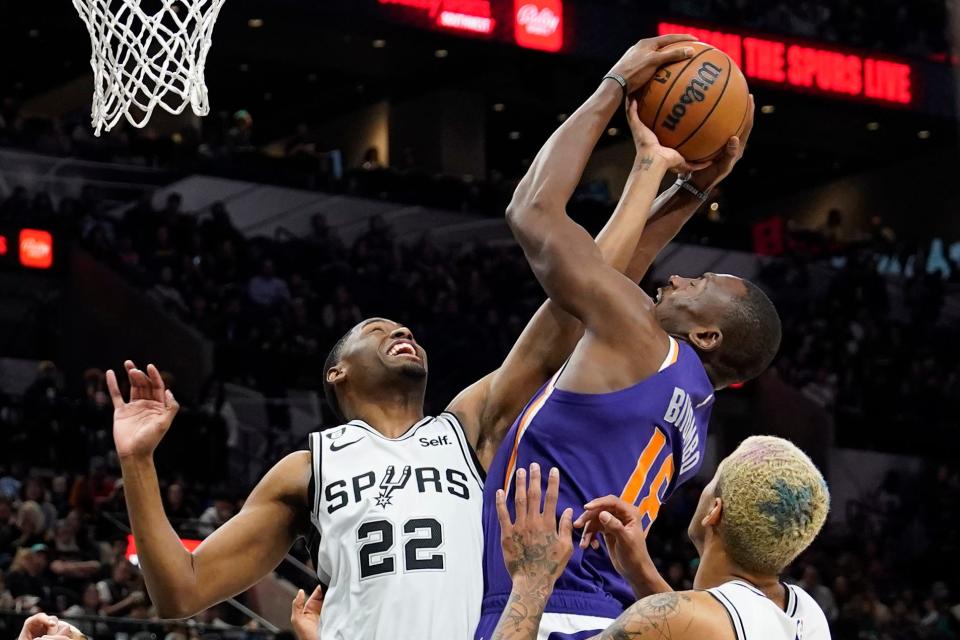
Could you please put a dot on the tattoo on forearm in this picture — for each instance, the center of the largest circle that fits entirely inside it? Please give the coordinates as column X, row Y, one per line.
column 534, row 562
column 651, row 618
column 521, row 617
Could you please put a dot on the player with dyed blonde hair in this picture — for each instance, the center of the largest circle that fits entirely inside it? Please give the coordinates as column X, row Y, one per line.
column 765, row 505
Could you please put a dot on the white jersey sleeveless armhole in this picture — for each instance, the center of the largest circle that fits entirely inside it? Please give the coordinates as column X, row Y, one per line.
column 754, row 616
column 397, row 531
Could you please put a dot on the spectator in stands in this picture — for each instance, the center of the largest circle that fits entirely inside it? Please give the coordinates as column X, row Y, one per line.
column 167, row 295
column 175, row 504
column 121, row 592
column 128, row 256
column 324, row 240
column 164, row 253
column 72, row 563
column 42, row 406
column 60, row 494
column 95, row 489
column 31, row 522
column 216, row 514
column 341, row 312
column 267, row 290
column 28, row 580
column 172, row 209
column 33, row 490
column 89, row 605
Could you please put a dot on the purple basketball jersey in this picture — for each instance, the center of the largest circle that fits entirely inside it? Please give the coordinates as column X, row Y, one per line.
column 640, row 443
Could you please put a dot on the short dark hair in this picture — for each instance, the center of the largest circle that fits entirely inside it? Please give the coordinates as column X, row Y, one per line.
column 329, row 391
column 751, row 337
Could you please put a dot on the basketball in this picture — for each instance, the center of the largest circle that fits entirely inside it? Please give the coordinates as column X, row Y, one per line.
column 696, row 105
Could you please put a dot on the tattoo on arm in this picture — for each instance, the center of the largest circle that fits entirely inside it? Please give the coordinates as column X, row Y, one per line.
column 645, row 162
column 651, row 618
column 533, row 558
column 521, row 618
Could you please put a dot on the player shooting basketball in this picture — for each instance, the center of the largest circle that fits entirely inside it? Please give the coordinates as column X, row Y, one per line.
column 764, row 506
column 394, row 497
column 629, row 411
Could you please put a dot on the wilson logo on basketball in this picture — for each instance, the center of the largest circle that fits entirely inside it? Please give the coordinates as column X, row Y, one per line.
column 706, row 77
column 538, row 22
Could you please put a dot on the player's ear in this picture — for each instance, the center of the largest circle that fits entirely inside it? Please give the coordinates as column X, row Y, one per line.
column 706, row 338
column 336, row 374
column 713, row 517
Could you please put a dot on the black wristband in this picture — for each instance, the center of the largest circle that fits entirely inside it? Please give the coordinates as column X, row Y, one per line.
column 619, row 79
column 684, row 183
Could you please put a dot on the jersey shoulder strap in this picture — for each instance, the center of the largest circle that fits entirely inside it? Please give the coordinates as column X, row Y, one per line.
column 469, row 455
column 731, row 596
column 314, row 491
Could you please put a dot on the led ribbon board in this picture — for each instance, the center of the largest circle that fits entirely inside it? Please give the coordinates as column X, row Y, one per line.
column 813, row 69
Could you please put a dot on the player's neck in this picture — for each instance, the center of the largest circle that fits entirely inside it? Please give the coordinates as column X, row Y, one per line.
column 392, row 414
column 716, row 568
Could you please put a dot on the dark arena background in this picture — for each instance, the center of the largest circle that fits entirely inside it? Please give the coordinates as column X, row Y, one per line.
column 357, row 161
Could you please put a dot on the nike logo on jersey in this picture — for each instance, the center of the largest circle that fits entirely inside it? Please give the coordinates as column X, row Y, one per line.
column 334, row 447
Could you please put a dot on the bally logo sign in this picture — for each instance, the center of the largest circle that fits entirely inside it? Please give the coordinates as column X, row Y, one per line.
column 538, row 24
column 36, row 249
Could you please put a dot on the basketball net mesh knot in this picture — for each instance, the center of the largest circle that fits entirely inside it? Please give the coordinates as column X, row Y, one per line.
column 143, row 59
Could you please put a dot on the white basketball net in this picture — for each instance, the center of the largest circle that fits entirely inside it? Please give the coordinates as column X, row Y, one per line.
column 144, row 59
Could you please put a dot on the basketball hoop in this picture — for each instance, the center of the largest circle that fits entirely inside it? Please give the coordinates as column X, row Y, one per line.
column 143, row 59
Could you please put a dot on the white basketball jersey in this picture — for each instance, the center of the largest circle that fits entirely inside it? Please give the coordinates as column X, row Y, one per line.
column 757, row 617
column 401, row 540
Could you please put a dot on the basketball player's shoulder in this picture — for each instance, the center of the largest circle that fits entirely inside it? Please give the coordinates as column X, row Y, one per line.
column 288, row 481
column 681, row 615
column 802, row 606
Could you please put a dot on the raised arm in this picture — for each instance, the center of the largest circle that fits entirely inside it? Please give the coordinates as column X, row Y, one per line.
column 675, row 206
column 238, row 554
column 488, row 407
column 561, row 254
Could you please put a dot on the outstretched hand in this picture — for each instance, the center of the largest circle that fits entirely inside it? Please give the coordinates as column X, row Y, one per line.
column 534, row 548
column 139, row 425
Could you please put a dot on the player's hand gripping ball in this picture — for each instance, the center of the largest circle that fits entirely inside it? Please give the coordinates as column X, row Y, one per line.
column 697, row 104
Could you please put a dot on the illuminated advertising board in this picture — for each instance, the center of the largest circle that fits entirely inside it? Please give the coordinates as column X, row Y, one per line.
column 795, row 64
column 538, row 24
column 814, row 69
column 33, row 249
column 533, row 24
